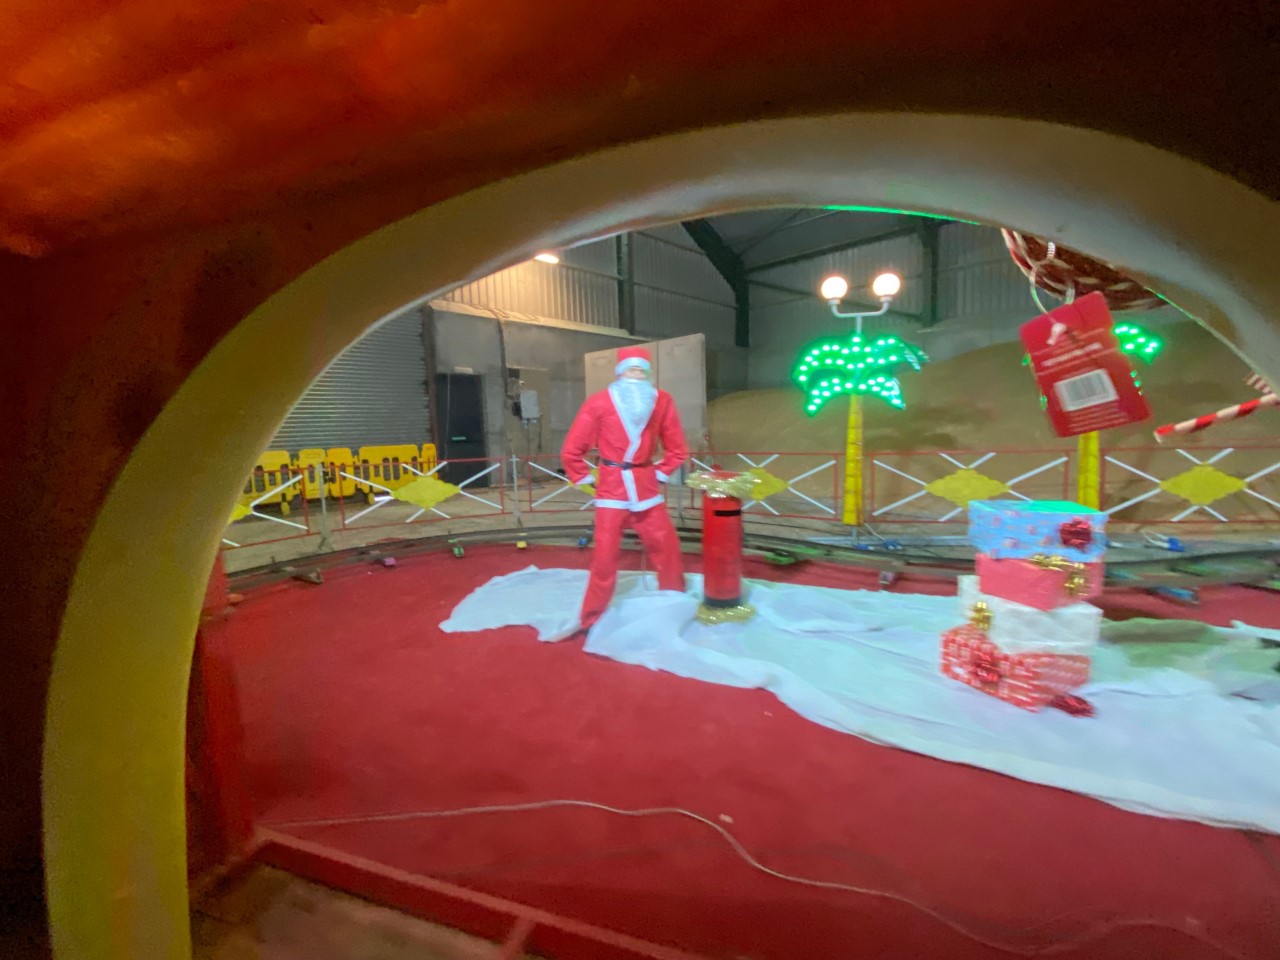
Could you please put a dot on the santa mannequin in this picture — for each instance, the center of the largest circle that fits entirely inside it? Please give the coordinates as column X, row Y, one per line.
column 626, row 423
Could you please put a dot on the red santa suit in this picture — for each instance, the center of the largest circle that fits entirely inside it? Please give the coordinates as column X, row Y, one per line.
column 628, row 484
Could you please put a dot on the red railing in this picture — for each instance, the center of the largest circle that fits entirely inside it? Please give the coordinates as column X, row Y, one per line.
column 275, row 507
column 803, row 485
column 476, row 490
column 1141, row 485
column 544, row 489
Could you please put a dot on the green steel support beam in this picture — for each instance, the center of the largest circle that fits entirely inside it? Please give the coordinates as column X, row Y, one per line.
column 729, row 265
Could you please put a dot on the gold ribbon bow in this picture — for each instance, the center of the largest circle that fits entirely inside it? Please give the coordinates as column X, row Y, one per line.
column 1075, row 571
column 980, row 615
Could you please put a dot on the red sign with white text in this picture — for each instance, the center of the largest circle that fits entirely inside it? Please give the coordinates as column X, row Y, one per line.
column 1086, row 379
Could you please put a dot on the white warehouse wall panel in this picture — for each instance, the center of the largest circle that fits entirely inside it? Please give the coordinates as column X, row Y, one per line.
column 600, row 256
column 667, row 266
column 661, row 315
column 560, row 291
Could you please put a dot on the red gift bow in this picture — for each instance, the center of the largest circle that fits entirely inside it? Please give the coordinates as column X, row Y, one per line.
column 1076, row 706
column 985, row 667
column 1076, row 533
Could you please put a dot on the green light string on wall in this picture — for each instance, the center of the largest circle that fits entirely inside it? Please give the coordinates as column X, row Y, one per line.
column 855, row 367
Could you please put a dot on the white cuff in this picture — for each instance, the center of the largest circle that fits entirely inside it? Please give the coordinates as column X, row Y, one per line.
column 662, row 477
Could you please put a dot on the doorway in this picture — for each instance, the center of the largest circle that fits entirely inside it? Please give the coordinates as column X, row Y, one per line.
column 461, row 426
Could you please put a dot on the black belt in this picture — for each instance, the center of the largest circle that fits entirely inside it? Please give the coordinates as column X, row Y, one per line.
column 625, row 466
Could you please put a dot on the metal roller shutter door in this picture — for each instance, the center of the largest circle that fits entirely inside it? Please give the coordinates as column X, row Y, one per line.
column 374, row 393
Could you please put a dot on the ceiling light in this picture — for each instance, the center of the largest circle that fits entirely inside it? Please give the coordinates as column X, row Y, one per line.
column 834, row 288
column 886, row 286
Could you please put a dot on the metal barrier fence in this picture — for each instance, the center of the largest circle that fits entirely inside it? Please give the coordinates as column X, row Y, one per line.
column 1192, row 485
column 793, row 486
column 265, row 513
column 321, row 499
column 424, row 495
column 935, row 486
column 1140, row 486
column 544, row 489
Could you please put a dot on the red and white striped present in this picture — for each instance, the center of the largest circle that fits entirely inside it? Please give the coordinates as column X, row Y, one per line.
column 1027, row 680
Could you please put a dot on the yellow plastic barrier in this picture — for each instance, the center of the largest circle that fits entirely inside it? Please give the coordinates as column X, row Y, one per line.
column 273, row 468
column 341, row 460
column 312, row 463
column 386, row 463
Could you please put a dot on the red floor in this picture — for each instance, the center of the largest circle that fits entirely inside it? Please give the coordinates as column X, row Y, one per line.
column 356, row 704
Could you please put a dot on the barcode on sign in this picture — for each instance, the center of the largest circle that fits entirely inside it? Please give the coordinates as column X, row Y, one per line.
column 1087, row 390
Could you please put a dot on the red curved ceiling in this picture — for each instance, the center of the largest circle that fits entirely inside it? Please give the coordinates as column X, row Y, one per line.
column 138, row 115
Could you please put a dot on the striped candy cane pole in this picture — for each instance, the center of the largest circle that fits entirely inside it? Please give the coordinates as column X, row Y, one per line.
column 1209, row 419
column 1258, row 384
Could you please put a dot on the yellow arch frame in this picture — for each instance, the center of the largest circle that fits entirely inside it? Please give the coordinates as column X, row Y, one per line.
column 113, row 761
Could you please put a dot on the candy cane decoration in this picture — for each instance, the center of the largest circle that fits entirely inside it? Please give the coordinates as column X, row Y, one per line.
column 1209, row 419
column 1258, row 384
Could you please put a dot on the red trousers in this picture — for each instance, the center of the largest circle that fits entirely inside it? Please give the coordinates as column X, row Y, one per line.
column 661, row 545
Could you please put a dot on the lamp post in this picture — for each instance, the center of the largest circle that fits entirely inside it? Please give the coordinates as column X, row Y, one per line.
column 833, row 289
column 1135, row 342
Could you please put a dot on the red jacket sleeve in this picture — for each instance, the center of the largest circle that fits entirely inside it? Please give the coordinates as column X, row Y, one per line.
column 578, row 442
column 674, row 449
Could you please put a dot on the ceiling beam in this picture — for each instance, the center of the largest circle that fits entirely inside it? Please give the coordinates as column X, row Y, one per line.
column 729, row 265
column 856, row 304
column 833, row 248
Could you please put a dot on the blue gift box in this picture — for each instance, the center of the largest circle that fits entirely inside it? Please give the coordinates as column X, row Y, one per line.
column 1018, row 529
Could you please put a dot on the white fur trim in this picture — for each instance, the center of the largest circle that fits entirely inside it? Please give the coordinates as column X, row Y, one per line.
column 630, row 362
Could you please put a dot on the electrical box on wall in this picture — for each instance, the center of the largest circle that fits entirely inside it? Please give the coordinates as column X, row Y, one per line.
column 528, row 389
column 529, row 405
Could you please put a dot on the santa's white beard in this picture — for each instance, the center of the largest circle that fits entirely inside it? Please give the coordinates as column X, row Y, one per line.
column 635, row 400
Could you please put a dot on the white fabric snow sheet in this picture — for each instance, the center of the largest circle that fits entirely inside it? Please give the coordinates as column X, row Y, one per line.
column 1163, row 741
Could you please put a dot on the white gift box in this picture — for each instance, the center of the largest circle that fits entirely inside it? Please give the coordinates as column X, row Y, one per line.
column 1070, row 630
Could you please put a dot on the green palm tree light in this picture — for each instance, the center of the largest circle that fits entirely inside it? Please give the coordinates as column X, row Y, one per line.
column 855, row 367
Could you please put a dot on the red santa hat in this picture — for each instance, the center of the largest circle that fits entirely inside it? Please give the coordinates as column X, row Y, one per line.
column 629, row 357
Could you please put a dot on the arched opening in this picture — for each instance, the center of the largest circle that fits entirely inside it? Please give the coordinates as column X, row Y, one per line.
column 113, row 770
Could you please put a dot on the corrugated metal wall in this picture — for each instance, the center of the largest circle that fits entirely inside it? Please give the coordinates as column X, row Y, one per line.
column 578, row 289
column 782, row 323
column 977, row 278
column 679, row 292
column 374, row 393
column 859, row 266
column 677, row 289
